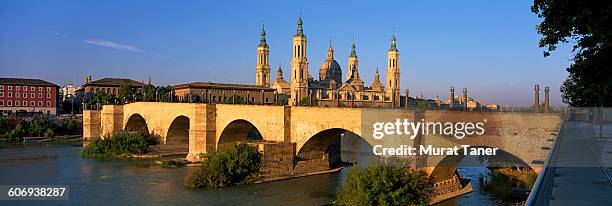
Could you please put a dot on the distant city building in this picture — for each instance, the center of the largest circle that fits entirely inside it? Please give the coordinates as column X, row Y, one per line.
column 329, row 89
column 222, row 92
column 109, row 86
column 493, row 107
column 28, row 95
column 68, row 92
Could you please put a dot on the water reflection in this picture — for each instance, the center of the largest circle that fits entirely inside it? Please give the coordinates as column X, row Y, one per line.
column 141, row 182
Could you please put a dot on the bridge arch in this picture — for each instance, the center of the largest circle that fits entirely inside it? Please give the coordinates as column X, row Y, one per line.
column 446, row 167
column 239, row 130
column 177, row 138
column 136, row 123
column 324, row 150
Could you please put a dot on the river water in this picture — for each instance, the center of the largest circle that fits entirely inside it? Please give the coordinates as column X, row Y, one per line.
column 142, row 182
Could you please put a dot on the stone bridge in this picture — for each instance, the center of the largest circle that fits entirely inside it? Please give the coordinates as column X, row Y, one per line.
column 305, row 139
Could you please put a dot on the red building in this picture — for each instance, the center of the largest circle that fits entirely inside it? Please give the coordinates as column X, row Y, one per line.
column 28, row 95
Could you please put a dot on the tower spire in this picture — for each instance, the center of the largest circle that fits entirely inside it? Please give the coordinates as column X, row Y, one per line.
column 262, row 39
column 330, row 51
column 353, row 53
column 393, row 43
column 300, row 31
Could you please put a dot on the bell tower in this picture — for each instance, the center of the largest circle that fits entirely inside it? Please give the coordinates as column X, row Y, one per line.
column 299, row 66
column 353, row 63
column 262, row 72
column 393, row 72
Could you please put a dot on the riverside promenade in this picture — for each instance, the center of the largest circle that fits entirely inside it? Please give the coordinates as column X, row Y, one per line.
column 579, row 169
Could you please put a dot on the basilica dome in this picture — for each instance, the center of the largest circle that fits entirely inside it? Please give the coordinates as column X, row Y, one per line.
column 330, row 69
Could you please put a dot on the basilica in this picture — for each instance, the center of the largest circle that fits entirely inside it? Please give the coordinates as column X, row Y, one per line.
column 330, row 89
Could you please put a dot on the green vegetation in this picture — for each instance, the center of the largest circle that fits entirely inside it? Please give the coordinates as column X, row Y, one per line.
column 13, row 129
column 503, row 180
column 309, row 100
column 282, row 100
column 128, row 93
column 239, row 164
column 172, row 164
column 423, row 105
column 120, row 144
column 235, row 99
column 586, row 26
column 385, row 185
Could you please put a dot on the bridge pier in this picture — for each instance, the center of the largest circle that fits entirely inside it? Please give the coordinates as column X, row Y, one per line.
column 91, row 126
column 112, row 119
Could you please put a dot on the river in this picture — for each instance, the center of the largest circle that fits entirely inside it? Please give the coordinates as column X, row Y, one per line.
column 142, row 182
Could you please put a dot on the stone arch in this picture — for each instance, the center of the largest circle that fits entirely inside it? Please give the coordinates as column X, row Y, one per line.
column 239, row 130
column 445, row 168
column 177, row 138
column 323, row 150
column 136, row 123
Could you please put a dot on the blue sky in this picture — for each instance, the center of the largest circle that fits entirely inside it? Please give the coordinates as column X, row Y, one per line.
column 490, row 47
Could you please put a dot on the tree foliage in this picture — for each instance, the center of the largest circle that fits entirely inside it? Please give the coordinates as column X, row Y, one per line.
column 308, row 100
column 586, row 25
column 239, row 164
column 121, row 143
column 385, row 185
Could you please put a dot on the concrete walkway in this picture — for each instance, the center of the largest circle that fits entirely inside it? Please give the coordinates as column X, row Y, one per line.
column 583, row 165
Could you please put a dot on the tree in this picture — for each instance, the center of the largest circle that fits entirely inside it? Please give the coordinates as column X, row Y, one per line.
column 423, row 105
column 587, row 25
column 39, row 124
column 235, row 99
column 308, row 100
column 385, row 185
column 126, row 93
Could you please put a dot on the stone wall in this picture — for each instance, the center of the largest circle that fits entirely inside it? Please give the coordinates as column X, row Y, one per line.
column 277, row 159
column 91, row 126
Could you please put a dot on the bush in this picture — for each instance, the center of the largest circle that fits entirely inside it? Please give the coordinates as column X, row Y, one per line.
column 49, row 133
column 172, row 164
column 13, row 136
column 121, row 143
column 239, row 164
column 385, row 185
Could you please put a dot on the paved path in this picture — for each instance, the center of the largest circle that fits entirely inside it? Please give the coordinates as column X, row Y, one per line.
column 583, row 165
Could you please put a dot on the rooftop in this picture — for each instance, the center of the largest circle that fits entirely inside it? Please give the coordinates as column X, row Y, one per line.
column 21, row 81
column 114, row 82
column 212, row 85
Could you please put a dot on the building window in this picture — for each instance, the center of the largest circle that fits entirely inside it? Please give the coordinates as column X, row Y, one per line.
column 48, row 103
column 1, row 94
column 40, row 103
column 39, row 95
column 32, row 89
column 48, row 95
column 10, row 88
column 40, row 89
column 25, row 88
column 17, row 94
column 17, row 88
column 17, row 103
column 32, row 103
column 25, row 95
column 25, row 103
column 32, row 95
column 1, row 87
column 9, row 94
column 9, row 103
column 48, row 89
column 1, row 103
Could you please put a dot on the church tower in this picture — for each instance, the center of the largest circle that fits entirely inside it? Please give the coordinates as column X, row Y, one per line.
column 299, row 66
column 353, row 63
column 262, row 72
column 393, row 72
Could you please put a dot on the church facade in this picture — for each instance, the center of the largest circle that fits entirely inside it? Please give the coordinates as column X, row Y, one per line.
column 330, row 89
